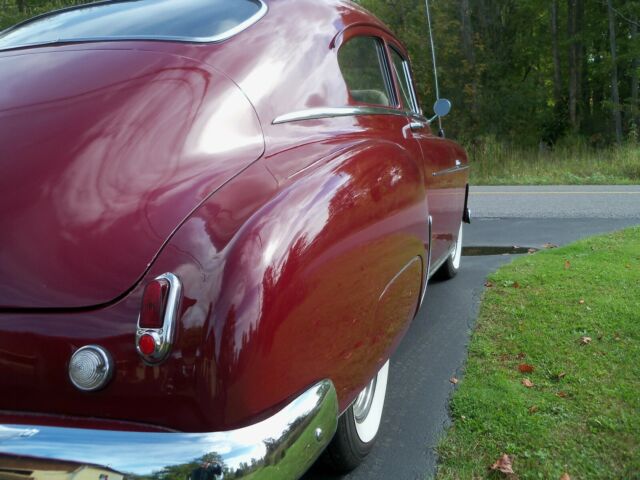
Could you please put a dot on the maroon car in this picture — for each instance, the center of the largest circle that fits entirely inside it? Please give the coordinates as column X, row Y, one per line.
column 218, row 220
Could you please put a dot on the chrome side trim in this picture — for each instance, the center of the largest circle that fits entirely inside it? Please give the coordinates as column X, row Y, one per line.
column 448, row 171
column 289, row 441
column 428, row 274
column 256, row 17
column 163, row 336
column 332, row 112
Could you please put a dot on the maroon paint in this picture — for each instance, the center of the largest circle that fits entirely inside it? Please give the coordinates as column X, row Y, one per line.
column 305, row 264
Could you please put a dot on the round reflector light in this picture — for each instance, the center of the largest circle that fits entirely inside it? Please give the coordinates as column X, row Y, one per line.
column 90, row 368
column 147, row 344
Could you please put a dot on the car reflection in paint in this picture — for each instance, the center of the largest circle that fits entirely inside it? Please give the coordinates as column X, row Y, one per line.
column 217, row 223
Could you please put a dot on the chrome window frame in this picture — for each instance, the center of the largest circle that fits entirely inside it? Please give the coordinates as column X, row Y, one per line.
column 406, row 69
column 256, row 17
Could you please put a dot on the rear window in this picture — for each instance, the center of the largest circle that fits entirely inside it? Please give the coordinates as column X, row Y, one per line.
column 187, row 20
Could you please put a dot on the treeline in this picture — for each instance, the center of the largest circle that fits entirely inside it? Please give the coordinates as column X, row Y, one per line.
column 14, row 11
column 528, row 72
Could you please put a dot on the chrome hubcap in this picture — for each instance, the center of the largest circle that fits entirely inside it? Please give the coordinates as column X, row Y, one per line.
column 363, row 403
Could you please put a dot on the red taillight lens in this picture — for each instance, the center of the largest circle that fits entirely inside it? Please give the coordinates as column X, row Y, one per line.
column 147, row 345
column 154, row 303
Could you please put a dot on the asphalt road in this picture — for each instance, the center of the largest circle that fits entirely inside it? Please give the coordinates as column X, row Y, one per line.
column 434, row 349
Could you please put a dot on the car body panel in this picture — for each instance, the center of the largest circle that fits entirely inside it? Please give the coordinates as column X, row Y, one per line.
column 104, row 152
column 305, row 264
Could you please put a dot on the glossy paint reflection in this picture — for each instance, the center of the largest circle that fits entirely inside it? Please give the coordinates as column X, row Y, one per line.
column 109, row 161
column 170, row 456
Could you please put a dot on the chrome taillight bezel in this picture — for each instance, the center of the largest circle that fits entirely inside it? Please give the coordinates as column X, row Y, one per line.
column 163, row 336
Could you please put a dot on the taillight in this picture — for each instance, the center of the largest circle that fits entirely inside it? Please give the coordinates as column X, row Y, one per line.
column 158, row 315
column 154, row 304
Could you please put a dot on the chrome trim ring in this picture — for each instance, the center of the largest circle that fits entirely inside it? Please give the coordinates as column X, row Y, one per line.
column 286, row 442
column 363, row 402
column 333, row 112
column 163, row 336
column 106, row 368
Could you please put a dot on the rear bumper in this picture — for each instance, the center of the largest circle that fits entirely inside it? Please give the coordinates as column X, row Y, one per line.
column 283, row 446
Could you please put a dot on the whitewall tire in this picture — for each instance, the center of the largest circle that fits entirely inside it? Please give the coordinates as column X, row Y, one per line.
column 358, row 426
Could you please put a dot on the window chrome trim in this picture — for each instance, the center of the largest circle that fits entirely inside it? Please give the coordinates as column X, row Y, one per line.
column 333, row 112
column 255, row 18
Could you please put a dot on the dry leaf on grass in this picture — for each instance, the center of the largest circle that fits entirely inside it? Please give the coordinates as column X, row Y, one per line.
column 521, row 355
column 581, row 302
column 561, row 375
column 488, row 284
column 526, row 368
column 585, row 340
column 562, row 394
column 567, row 264
column 565, row 476
column 527, row 383
column 454, row 380
column 503, row 464
column 533, row 409
column 516, row 285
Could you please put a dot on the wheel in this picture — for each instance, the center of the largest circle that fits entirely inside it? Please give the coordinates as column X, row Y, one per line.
column 358, row 427
column 449, row 269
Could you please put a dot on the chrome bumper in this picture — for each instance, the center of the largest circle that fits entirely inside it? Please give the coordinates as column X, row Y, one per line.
column 282, row 446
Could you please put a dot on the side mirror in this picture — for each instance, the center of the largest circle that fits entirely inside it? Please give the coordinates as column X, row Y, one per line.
column 442, row 107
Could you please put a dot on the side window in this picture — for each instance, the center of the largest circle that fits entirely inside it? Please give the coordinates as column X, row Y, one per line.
column 363, row 66
column 403, row 74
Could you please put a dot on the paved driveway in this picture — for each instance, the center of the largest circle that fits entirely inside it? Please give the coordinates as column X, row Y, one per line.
column 435, row 347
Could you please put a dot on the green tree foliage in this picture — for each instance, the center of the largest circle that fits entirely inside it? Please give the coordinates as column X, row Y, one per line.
column 496, row 62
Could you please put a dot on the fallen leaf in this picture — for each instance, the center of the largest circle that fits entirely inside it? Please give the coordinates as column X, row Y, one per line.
column 581, row 302
column 565, row 476
column 567, row 264
column 533, row 409
column 550, row 246
column 521, row 355
column 454, row 380
column 526, row 368
column 488, row 284
column 516, row 285
column 503, row 464
column 561, row 375
column 527, row 383
column 585, row 340
column 463, row 418
column 562, row 394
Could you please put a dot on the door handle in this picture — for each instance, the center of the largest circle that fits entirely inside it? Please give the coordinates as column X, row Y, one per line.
column 416, row 126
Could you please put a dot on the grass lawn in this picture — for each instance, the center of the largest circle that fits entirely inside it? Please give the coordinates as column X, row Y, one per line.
column 565, row 322
column 576, row 164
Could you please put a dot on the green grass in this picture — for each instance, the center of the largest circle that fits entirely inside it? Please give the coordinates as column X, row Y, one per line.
column 571, row 164
column 582, row 416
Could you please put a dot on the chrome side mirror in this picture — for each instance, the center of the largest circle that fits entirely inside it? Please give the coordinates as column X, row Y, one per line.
column 442, row 107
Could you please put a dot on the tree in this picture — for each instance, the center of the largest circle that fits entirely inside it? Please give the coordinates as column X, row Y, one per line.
column 615, row 95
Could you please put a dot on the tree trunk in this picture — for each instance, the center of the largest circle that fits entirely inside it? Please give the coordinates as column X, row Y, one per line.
column 469, row 52
column 573, row 13
column 557, row 72
column 635, row 65
column 615, row 95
